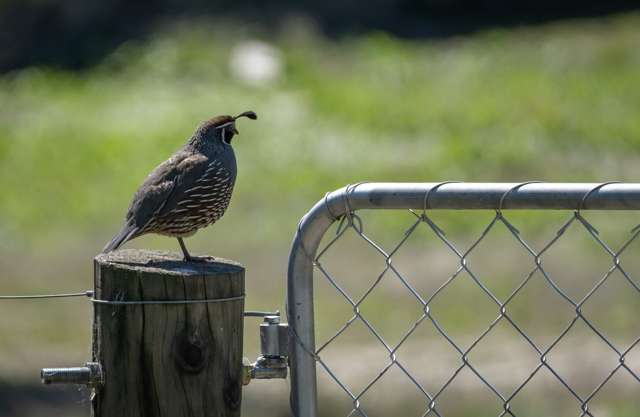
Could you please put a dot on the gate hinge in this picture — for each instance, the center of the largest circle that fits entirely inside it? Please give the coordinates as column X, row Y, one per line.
column 274, row 348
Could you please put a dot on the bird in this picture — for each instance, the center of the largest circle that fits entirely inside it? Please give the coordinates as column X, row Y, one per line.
column 190, row 190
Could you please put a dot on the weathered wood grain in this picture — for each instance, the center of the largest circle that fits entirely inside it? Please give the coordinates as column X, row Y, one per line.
column 167, row 360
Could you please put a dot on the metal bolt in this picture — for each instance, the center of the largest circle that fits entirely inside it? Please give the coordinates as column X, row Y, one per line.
column 90, row 374
column 252, row 313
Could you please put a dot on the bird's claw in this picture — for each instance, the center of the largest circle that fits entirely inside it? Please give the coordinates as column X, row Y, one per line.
column 196, row 259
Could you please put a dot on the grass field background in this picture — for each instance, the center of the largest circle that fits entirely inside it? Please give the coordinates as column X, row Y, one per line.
column 556, row 102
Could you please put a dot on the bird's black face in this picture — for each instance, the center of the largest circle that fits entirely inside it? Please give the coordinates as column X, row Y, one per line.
column 227, row 133
column 229, row 129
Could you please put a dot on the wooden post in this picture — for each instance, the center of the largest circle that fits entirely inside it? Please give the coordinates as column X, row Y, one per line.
column 168, row 360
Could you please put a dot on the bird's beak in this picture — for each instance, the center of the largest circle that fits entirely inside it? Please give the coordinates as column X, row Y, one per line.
column 235, row 131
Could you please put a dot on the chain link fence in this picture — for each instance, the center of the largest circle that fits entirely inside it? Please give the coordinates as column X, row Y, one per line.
column 310, row 251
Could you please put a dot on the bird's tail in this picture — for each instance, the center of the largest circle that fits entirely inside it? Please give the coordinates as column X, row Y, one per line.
column 127, row 232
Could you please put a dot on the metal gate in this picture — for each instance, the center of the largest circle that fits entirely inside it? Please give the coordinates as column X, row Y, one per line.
column 420, row 198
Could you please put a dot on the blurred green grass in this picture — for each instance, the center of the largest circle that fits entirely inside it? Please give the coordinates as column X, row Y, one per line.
column 557, row 102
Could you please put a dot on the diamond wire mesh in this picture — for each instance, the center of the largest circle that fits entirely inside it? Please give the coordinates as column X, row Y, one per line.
column 352, row 222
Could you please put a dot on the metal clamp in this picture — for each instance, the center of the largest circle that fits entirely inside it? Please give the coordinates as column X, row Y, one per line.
column 274, row 348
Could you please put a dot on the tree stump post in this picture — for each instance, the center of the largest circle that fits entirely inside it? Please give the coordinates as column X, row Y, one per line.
column 167, row 360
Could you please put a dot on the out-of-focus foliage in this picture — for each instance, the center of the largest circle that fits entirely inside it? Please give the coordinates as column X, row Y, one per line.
column 552, row 103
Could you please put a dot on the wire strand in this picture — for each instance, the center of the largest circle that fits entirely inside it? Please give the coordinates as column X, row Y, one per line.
column 43, row 296
column 90, row 294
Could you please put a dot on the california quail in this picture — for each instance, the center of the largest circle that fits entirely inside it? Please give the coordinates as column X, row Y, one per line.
column 188, row 191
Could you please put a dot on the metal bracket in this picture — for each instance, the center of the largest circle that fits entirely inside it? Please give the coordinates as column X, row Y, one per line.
column 274, row 348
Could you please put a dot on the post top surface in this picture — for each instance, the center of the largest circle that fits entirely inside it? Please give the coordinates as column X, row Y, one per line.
column 166, row 262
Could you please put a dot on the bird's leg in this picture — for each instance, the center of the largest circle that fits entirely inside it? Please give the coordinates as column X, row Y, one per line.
column 187, row 257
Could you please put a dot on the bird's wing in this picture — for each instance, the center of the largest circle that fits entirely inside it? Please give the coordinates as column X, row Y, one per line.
column 200, row 181
column 157, row 190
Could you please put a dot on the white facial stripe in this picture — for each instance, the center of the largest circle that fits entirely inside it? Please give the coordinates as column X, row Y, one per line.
column 225, row 125
column 225, row 131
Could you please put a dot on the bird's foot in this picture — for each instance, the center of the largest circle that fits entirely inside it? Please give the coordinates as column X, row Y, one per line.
column 197, row 259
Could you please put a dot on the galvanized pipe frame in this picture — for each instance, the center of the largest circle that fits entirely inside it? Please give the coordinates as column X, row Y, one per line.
column 418, row 196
